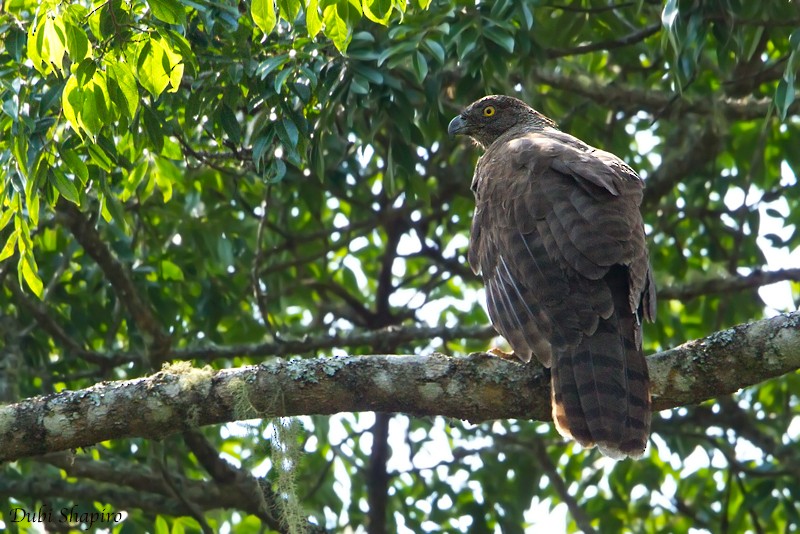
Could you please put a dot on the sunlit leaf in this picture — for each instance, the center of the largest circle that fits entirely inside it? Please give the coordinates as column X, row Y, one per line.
column 264, row 15
column 378, row 10
column 152, row 67
column 64, row 186
column 10, row 244
column 29, row 272
column 122, row 88
column 170, row 11
column 313, row 20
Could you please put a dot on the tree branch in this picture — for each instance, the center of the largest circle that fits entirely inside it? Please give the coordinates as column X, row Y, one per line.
column 391, row 335
column 559, row 485
column 476, row 388
column 718, row 286
column 50, row 325
column 118, row 277
column 621, row 96
column 377, row 476
column 632, row 38
column 692, row 150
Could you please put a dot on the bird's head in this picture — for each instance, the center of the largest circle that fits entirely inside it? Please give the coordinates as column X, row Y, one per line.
column 490, row 117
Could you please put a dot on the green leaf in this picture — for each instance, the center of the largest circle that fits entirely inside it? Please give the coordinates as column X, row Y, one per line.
column 152, row 127
column 497, row 35
column 670, row 15
column 77, row 43
column 420, row 66
column 288, row 133
column 11, row 243
column 374, row 76
column 122, row 88
column 85, row 72
column 64, row 186
column 278, row 171
column 19, row 148
column 166, row 173
column 359, row 85
column 174, row 65
column 110, row 207
column 75, row 164
column 280, row 79
column 170, row 11
column 435, row 49
column 261, row 145
column 313, row 22
column 29, row 271
column 229, row 122
column 135, row 178
column 378, row 10
column 15, row 43
column 400, row 49
column 289, row 9
column 527, row 14
column 55, row 37
column 785, row 94
column 151, row 67
column 99, row 157
column 5, row 217
column 419, row 188
column 88, row 117
column 161, row 525
column 263, row 13
column 101, row 101
column 340, row 18
column 37, row 49
column 270, row 64
column 170, row 271
column 32, row 202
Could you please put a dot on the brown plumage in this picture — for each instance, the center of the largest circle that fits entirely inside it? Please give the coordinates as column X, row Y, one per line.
column 559, row 240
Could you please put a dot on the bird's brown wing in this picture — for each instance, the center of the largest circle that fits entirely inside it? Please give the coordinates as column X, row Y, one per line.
column 558, row 238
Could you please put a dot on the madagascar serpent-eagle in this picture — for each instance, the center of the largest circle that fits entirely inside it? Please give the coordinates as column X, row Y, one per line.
column 559, row 241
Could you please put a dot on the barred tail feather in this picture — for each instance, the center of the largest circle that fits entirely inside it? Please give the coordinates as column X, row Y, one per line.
column 600, row 390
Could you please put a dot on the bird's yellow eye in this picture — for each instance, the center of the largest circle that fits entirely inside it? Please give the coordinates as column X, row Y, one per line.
column 488, row 111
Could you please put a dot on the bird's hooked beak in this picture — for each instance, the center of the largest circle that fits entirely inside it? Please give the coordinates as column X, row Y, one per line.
column 457, row 126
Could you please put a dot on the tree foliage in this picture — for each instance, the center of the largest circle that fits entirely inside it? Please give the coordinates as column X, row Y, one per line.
column 229, row 182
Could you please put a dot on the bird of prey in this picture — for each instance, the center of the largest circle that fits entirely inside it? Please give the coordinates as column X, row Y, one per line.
column 559, row 241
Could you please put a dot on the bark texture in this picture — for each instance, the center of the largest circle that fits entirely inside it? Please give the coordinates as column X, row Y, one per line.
column 477, row 388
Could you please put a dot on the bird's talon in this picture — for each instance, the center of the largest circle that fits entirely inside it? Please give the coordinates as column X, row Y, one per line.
column 495, row 351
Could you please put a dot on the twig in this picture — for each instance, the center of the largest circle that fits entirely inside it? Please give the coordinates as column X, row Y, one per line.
column 557, row 483
column 255, row 278
column 51, row 326
column 629, row 39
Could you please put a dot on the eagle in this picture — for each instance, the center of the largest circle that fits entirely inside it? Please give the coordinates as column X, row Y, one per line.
column 558, row 239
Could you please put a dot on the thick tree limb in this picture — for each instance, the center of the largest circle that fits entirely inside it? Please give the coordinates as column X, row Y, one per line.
column 378, row 478
column 476, row 388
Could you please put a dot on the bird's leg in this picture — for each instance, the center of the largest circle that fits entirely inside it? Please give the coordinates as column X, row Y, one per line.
column 496, row 351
